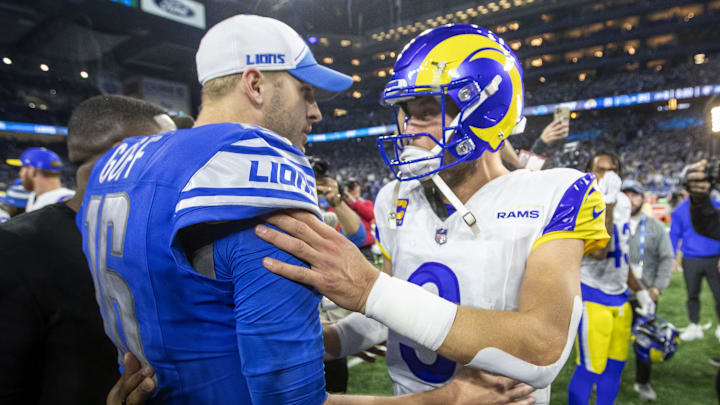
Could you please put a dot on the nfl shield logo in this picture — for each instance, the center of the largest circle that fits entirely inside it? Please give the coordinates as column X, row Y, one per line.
column 441, row 236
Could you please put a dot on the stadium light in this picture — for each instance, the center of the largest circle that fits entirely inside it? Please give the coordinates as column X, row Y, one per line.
column 312, row 40
column 44, row 67
column 327, row 60
column 715, row 118
column 542, row 79
column 84, row 74
column 699, row 58
column 356, row 94
column 356, row 78
column 7, row 61
column 355, row 62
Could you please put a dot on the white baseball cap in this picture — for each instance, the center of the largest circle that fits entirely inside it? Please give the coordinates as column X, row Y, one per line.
column 245, row 41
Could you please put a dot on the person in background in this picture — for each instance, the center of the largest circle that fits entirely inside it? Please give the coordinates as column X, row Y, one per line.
column 40, row 174
column 14, row 201
column 705, row 218
column 700, row 259
column 57, row 351
column 651, row 258
column 344, row 217
column 556, row 131
column 604, row 333
column 365, row 210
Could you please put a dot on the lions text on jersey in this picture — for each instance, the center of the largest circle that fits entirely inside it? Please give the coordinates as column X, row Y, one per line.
column 516, row 213
column 236, row 333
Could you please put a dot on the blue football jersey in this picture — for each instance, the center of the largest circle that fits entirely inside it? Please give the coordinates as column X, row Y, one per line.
column 239, row 336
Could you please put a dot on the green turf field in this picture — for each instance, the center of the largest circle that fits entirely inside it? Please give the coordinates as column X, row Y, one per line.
column 687, row 379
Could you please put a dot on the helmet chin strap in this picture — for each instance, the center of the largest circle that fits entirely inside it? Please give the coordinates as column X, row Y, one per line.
column 412, row 152
column 467, row 216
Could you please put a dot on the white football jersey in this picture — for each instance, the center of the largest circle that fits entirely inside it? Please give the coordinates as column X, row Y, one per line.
column 610, row 275
column 47, row 198
column 515, row 213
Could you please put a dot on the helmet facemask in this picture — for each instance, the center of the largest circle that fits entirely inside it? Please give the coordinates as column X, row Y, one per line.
column 457, row 145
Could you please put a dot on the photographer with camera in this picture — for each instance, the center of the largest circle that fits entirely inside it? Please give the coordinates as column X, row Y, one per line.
column 700, row 178
column 328, row 189
column 699, row 181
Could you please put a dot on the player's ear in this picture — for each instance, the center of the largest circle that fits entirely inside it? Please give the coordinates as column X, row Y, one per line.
column 254, row 85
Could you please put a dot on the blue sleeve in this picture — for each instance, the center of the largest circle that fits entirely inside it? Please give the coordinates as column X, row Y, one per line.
column 359, row 237
column 278, row 328
column 675, row 230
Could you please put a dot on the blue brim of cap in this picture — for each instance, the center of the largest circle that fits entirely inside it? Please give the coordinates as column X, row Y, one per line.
column 322, row 77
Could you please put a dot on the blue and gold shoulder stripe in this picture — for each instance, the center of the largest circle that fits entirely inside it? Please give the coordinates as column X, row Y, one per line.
column 580, row 214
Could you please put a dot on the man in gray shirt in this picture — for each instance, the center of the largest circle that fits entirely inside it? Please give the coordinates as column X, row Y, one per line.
column 651, row 258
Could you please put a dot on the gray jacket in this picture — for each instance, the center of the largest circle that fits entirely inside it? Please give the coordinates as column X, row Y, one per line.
column 659, row 259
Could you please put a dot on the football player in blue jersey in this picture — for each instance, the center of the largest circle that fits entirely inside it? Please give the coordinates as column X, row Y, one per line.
column 167, row 223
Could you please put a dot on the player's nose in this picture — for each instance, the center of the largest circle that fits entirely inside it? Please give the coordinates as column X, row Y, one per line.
column 314, row 115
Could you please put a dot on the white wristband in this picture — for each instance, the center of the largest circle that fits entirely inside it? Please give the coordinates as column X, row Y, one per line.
column 411, row 311
column 358, row 332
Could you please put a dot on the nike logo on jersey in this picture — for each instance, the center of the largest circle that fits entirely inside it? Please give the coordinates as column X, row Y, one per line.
column 597, row 214
column 532, row 214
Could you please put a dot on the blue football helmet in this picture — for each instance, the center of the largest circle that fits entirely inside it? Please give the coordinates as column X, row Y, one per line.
column 654, row 339
column 473, row 68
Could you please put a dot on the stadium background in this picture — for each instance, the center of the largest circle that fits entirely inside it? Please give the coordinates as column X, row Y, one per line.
column 639, row 76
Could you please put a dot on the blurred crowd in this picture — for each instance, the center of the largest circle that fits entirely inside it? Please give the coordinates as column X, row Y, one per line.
column 654, row 148
column 683, row 75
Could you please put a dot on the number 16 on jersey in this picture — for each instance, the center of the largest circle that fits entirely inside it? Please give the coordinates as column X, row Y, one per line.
column 106, row 222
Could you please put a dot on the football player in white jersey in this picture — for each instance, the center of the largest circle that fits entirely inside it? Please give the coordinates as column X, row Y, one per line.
column 498, row 252
column 40, row 174
column 604, row 332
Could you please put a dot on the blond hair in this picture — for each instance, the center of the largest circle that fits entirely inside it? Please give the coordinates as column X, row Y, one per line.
column 219, row 87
